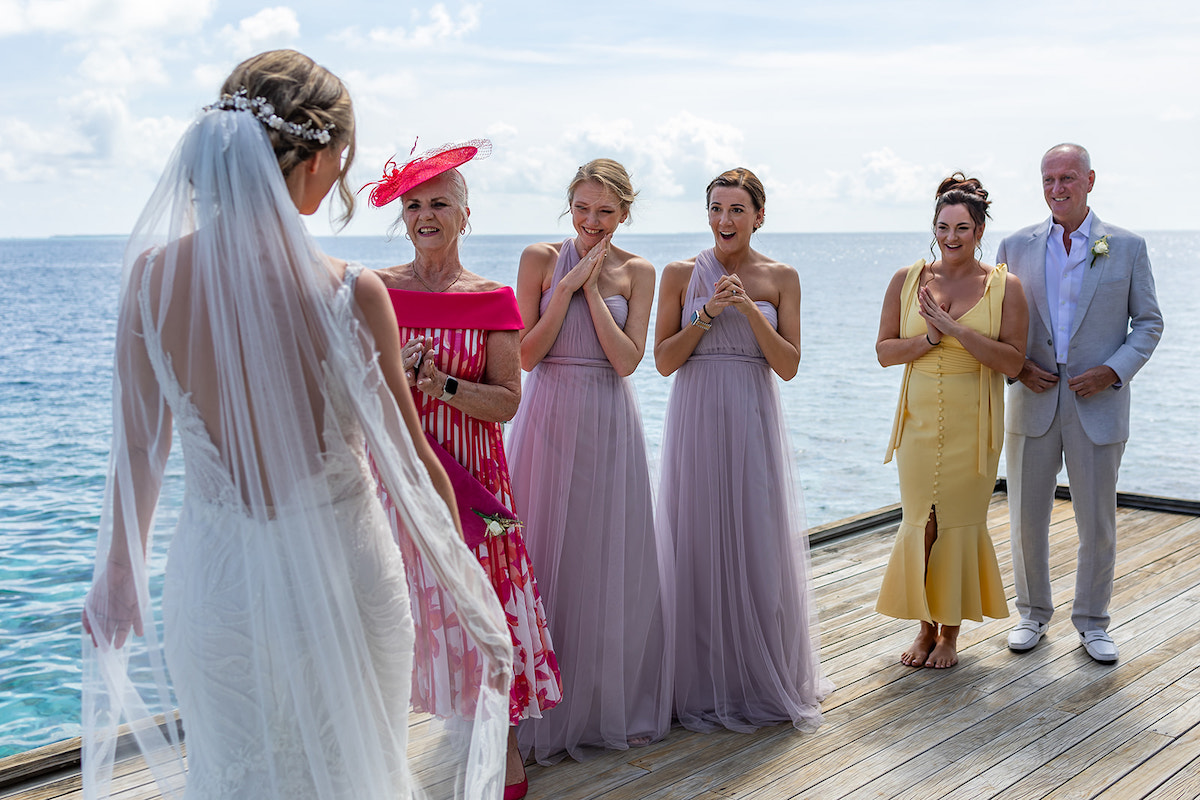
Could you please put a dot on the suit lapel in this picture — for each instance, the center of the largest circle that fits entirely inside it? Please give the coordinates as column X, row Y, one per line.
column 1094, row 267
column 1036, row 284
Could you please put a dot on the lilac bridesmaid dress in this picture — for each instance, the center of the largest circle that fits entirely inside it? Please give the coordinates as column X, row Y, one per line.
column 581, row 484
column 745, row 637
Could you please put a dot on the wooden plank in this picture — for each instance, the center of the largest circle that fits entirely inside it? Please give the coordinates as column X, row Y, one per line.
column 51, row 758
column 1045, row 723
column 995, row 713
column 1183, row 785
column 1035, row 770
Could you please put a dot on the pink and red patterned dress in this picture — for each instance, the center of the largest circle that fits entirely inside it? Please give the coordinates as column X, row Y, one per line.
column 459, row 323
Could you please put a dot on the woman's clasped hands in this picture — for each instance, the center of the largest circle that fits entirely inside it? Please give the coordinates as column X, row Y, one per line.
column 416, row 354
column 936, row 316
column 419, row 368
column 728, row 291
column 586, row 274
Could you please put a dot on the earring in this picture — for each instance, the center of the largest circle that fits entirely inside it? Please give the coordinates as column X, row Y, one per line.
column 406, row 236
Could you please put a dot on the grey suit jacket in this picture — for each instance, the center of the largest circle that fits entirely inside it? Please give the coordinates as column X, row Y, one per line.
column 1117, row 322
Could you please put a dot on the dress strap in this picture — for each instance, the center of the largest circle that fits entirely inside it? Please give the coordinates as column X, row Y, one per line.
column 991, row 383
column 908, row 294
column 568, row 257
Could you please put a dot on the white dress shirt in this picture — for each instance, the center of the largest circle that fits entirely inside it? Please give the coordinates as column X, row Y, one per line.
column 1064, row 277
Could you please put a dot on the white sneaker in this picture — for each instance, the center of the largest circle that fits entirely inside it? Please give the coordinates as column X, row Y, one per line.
column 1026, row 635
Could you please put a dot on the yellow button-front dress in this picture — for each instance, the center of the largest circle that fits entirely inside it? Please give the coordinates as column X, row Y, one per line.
column 947, row 436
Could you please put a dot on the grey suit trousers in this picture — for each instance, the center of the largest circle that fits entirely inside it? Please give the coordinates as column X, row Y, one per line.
column 1033, row 463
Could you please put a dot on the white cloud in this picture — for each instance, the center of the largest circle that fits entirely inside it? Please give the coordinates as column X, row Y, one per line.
column 31, row 154
column 440, row 28
column 12, row 21
column 101, row 118
column 501, row 131
column 109, row 63
column 209, row 77
column 883, row 178
column 94, row 137
column 269, row 26
column 109, row 17
column 676, row 159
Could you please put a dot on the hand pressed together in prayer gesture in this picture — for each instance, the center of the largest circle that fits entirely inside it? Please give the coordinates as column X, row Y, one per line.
column 936, row 316
column 586, row 274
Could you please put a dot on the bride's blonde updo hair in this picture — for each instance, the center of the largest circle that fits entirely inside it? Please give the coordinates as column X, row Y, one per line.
column 302, row 91
column 959, row 190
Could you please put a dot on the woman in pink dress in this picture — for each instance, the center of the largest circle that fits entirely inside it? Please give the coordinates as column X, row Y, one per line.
column 745, row 629
column 581, row 480
column 461, row 335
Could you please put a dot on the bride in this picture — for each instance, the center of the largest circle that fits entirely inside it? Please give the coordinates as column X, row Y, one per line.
column 285, row 623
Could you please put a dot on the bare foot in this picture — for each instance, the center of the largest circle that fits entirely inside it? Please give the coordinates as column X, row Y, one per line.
column 639, row 741
column 945, row 653
column 514, row 768
column 918, row 653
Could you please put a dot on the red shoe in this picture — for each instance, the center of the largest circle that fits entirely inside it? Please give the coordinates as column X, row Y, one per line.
column 515, row 791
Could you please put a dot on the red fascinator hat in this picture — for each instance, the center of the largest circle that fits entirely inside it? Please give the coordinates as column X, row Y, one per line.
column 398, row 180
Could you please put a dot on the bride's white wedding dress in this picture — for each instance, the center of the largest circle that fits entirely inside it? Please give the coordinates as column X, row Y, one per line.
column 215, row 598
column 286, row 636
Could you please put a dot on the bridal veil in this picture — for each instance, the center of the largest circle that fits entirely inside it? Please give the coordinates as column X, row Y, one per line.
column 236, row 332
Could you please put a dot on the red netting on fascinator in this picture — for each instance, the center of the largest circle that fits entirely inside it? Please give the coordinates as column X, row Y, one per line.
column 398, row 180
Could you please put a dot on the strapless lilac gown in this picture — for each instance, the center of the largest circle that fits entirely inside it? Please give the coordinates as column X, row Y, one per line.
column 745, row 639
column 581, row 484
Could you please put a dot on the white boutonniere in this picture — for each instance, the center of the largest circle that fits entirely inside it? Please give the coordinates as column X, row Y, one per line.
column 498, row 525
column 1100, row 248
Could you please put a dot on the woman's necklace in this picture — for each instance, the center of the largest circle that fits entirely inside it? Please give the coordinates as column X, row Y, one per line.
column 426, row 283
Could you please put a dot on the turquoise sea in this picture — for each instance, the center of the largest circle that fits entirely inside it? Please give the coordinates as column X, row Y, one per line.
column 57, row 315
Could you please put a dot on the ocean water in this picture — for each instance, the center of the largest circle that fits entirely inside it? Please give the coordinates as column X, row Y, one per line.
column 57, row 316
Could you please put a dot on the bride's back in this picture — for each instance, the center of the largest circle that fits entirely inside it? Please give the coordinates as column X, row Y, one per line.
column 236, row 348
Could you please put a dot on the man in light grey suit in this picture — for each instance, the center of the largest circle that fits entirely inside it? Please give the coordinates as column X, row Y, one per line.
column 1093, row 322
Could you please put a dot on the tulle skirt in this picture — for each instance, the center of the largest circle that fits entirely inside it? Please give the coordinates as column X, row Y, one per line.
column 582, row 486
column 745, row 639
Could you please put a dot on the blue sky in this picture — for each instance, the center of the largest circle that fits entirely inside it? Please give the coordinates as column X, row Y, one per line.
column 850, row 111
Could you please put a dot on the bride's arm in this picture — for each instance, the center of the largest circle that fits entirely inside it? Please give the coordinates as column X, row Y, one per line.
column 372, row 298
column 141, row 443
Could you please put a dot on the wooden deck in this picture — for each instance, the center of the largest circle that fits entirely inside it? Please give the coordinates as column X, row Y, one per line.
column 1048, row 723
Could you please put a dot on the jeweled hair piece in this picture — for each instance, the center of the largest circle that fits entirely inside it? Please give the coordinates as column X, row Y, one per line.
column 265, row 113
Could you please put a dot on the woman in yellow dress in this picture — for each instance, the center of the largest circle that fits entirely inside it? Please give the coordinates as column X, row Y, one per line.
column 957, row 325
